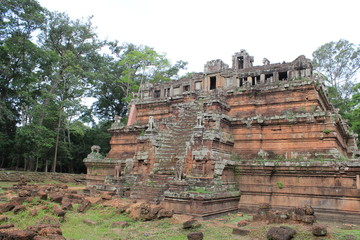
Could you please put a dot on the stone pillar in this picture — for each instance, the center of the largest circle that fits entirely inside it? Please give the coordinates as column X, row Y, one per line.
column 171, row 91
column 249, row 79
column 275, row 77
column 262, row 78
column 358, row 181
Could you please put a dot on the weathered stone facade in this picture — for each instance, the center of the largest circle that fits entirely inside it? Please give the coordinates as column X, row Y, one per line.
column 187, row 141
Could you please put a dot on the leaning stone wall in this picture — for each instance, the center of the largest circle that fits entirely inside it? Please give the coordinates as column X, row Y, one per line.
column 14, row 176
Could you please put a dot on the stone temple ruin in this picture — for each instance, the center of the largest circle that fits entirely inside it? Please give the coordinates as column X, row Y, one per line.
column 233, row 137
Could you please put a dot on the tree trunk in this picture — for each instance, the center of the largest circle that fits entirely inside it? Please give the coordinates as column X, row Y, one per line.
column 56, row 144
column 37, row 164
column 71, row 167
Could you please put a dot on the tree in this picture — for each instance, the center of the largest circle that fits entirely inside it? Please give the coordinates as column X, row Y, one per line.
column 19, row 58
column 122, row 73
column 339, row 63
column 73, row 47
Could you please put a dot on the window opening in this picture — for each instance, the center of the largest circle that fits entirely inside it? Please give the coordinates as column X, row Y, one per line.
column 156, row 93
column 212, row 83
column 268, row 77
column 282, row 76
column 240, row 62
column 186, row 88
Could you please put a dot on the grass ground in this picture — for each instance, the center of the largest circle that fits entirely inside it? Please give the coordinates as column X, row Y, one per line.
column 219, row 228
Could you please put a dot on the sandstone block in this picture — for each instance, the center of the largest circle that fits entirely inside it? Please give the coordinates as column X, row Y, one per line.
column 195, row 236
column 121, row 224
column 240, row 232
column 84, row 206
column 280, row 233
column 319, row 230
column 5, row 226
column 19, row 208
column 17, row 234
column 90, row 222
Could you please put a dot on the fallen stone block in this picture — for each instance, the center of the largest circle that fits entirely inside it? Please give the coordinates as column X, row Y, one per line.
column 191, row 224
column 18, row 209
column 58, row 211
column 319, row 230
column 240, row 232
column 51, row 237
column 308, row 219
column 106, row 196
column 17, row 234
column 3, row 218
column 84, row 206
column 56, row 197
column 50, row 231
column 309, row 210
column 6, row 207
column 90, row 222
column 24, row 193
column 242, row 223
column 180, row 218
column 5, row 226
column 195, row 236
column 163, row 213
column 38, row 227
column 121, row 224
column 280, row 233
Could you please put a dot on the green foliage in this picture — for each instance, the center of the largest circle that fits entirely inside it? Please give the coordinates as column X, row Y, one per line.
column 280, row 185
column 327, row 131
column 48, row 64
column 339, row 62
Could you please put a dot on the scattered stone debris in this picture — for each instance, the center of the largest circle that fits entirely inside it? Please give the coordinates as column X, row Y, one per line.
column 146, row 211
column 303, row 215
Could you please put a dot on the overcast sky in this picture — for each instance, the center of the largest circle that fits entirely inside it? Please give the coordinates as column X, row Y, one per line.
column 197, row 31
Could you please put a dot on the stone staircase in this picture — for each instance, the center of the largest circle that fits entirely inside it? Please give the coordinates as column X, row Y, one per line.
column 152, row 189
column 173, row 145
column 175, row 142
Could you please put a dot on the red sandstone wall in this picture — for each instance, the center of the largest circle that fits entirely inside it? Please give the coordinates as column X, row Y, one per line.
column 123, row 144
column 322, row 186
column 273, row 102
